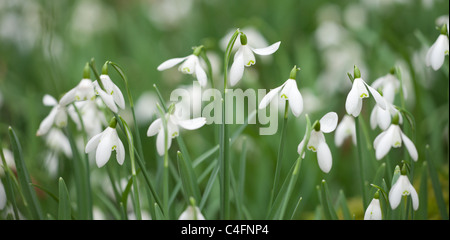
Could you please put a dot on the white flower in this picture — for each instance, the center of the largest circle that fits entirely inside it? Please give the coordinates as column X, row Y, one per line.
column 244, row 57
column 353, row 104
column 191, row 213
column 287, row 91
column 345, row 129
column 106, row 142
column 403, row 187
column 393, row 137
column 173, row 123
column 436, row 54
column 58, row 142
column 382, row 117
column 389, row 85
column 190, row 65
column 57, row 116
column 83, row 91
column 111, row 95
column 2, row 196
column 317, row 141
column 373, row 211
column 92, row 116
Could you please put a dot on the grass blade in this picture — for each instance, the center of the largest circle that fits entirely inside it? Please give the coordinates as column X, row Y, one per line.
column 436, row 185
column 64, row 210
column 188, row 178
column 327, row 206
column 24, row 178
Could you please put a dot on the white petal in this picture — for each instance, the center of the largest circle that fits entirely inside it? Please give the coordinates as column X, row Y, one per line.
column 108, row 100
column 324, row 157
column 201, row 75
column 188, row 67
column 374, row 118
column 358, row 107
column 192, row 124
column 120, row 152
column 295, row 98
column 351, row 102
column 378, row 98
column 154, row 128
column 384, row 143
column 361, row 87
column 328, row 122
column 410, row 147
column 300, row 147
column 438, row 51
column 68, row 97
column 188, row 214
column 267, row 50
column 269, row 96
column 383, row 118
column 48, row 100
column 315, row 138
column 373, row 211
column 2, row 196
column 93, row 143
column 414, row 197
column 47, row 123
column 395, row 194
column 170, row 63
column 104, row 148
column 118, row 97
column 237, row 68
column 160, row 142
column 249, row 57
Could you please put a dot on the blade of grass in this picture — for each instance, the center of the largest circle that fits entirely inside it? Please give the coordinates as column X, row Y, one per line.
column 24, row 178
column 327, row 206
column 436, row 185
column 344, row 206
column 189, row 169
column 64, row 209
column 9, row 179
column 422, row 212
column 188, row 178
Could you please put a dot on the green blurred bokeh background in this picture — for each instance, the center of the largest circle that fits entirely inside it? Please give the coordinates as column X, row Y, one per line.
column 44, row 46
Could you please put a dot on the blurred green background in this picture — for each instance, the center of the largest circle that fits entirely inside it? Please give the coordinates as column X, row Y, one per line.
column 44, row 46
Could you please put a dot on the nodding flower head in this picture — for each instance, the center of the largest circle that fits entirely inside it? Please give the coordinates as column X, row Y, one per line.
column 436, row 53
column 403, row 187
column 57, row 116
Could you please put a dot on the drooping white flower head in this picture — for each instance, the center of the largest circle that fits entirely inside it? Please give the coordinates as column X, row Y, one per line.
column 173, row 121
column 346, row 128
column 57, row 116
column 436, row 54
column 287, row 91
column 58, row 142
column 393, row 137
column 382, row 117
column 189, row 65
column 191, row 213
column 403, row 187
column 317, row 141
column 353, row 104
column 91, row 114
column 389, row 85
column 373, row 211
column 83, row 91
column 104, row 143
column 111, row 96
column 244, row 57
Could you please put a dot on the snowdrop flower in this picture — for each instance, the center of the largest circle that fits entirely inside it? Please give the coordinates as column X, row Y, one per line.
column 191, row 213
column 244, row 57
column 393, row 137
column 346, row 128
column 403, row 187
column 436, row 54
column 389, row 85
column 110, row 93
column 190, row 65
column 57, row 116
column 58, row 142
column 317, row 141
column 382, row 117
column 353, row 104
column 92, row 116
column 373, row 211
column 106, row 142
column 83, row 91
column 173, row 123
column 287, row 91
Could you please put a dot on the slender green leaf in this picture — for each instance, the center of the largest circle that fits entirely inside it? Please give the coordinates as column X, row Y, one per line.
column 9, row 180
column 188, row 178
column 64, row 209
column 422, row 212
column 344, row 207
column 436, row 185
column 327, row 206
column 24, row 178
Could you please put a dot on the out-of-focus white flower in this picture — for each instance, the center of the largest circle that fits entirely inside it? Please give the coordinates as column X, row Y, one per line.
column 287, row 91
column 57, row 141
column 2, row 196
column 145, row 107
column 393, row 137
column 353, row 104
column 373, row 211
column 169, row 14
column 106, row 142
column 173, row 121
column 317, row 142
column 436, row 54
column 9, row 159
column 346, row 128
column 83, row 91
column 91, row 114
column 111, row 95
column 189, row 65
column 382, row 117
column 403, row 187
column 191, row 213
column 57, row 116
column 389, row 85
column 244, row 57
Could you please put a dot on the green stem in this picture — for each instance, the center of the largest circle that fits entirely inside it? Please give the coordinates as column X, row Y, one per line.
column 361, row 161
column 280, row 153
